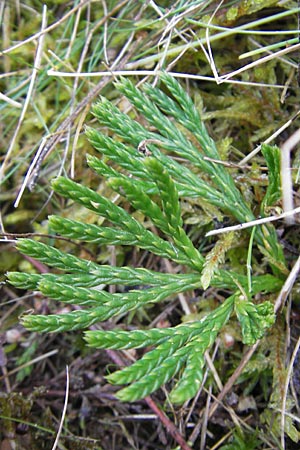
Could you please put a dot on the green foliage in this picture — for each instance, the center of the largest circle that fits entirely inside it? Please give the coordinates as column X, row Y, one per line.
column 273, row 194
column 175, row 347
column 254, row 319
column 241, row 442
column 26, row 356
column 154, row 186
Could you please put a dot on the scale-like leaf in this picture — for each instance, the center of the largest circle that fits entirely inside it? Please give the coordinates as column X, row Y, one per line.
column 254, row 319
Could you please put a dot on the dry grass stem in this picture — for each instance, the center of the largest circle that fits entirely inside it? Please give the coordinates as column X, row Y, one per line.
column 64, row 411
column 270, row 139
column 253, row 223
column 286, row 288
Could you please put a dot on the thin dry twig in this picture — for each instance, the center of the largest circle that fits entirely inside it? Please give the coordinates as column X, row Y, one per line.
column 209, row 54
column 267, row 58
column 227, row 387
column 270, row 139
column 253, row 223
column 30, row 171
column 5, row 98
column 64, row 409
column 171, row 428
column 32, row 361
column 205, row 420
column 155, row 73
column 286, row 288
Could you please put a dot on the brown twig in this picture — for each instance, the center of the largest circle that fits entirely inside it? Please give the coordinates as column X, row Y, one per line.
column 168, row 424
column 233, row 379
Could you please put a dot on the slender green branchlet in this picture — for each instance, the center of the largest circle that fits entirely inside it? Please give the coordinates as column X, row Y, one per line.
column 155, row 192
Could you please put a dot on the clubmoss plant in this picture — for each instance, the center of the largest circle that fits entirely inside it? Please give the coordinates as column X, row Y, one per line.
column 154, row 183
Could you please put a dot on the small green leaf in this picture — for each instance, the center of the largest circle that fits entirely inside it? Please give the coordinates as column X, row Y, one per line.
column 272, row 156
column 254, row 319
column 151, row 382
column 191, row 377
column 24, row 280
column 119, row 339
column 91, row 233
column 167, row 192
